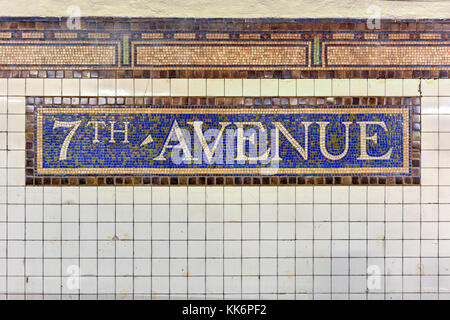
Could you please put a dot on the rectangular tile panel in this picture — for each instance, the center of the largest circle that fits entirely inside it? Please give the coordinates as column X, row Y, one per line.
column 54, row 54
column 219, row 55
column 404, row 54
column 299, row 141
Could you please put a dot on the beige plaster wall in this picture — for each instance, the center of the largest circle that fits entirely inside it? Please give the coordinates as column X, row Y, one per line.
column 229, row 8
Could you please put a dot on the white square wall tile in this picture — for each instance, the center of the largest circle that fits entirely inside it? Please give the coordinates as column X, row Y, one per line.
column 16, row 141
column 251, row 87
column 52, row 87
column 444, row 158
column 3, row 87
column 305, row 87
column 16, row 159
column 107, row 87
column 160, row 195
column 430, row 140
column 142, row 195
column 70, row 87
column 269, row 87
column 394, row 87
column 3, row 123
column 376, row 87
column 197, row 87
column 89, row 87
column 125, row 87
column 16, row 87
column 16, row 177
column 430, row 176
column 444, row 141
column 287, row 87
column 444, row 179
column 430, row 87
column 215, row 87
column 16, row 105
column 3, row 104
column 358, row 87
column 196, row 195
column 430, row 105
column 16, row 123
column 444, row 105
column 431, row 123
column 34, row 87
column 161, row 87
column 444, row 87
column 143, row 87
column 3, row 140
column 411, row 87
column 443, row 122
column 214, row 195
column 341, row 87
column 429, row 158
column 4, row 156
column 322, row 87
column 179, row 87
column 178, row 195
column 233, row 87
column 375, row 194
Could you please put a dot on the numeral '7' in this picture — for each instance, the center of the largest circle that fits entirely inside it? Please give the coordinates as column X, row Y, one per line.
column 66, row 124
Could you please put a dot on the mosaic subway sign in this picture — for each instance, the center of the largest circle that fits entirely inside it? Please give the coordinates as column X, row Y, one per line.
column 170, row 140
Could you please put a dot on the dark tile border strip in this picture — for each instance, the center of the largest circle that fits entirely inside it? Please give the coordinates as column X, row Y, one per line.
column 222, row 24
column 197, row 180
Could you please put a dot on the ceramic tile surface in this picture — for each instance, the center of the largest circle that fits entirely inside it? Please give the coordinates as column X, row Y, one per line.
column 96, row 204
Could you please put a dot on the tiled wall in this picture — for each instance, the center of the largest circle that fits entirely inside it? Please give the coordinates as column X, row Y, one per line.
column 226, row 242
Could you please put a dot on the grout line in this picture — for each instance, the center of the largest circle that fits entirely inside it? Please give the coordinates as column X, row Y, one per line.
column 313, row 241
column 240, row 222
column 115, row 242
column 187, row 245
column 331, row 245
column 421, row 213
column 151, row 241
column 7, row 193
column 43, row 244
column 97, row 241
column 438, row 198
column 24, row 229
column 60, row 241
column 170, row 264
column 278, row 241
column 385, row 239
column 133, row 244
column 259, row 241
column 206, row 242
column 79, row 242
column 367, row 237
column 403, row 237
column 295, row 243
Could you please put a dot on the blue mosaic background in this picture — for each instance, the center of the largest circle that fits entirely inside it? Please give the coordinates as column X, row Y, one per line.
column 82, row 153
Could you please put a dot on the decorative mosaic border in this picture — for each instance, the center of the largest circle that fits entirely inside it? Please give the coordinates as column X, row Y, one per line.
column 34, row 179
column 223, row 48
